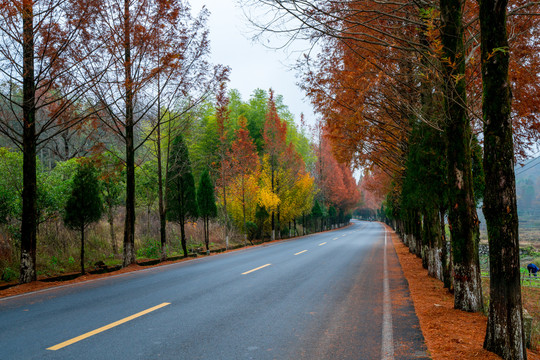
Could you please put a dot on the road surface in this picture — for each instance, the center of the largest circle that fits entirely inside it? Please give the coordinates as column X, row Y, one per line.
column 335, row 295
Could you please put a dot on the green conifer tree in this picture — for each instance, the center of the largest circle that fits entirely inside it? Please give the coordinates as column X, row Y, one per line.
column 181, row 194
column 84, row 205
column 207, row 204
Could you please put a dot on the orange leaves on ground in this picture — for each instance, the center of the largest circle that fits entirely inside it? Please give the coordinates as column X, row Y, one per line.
column 449, row 333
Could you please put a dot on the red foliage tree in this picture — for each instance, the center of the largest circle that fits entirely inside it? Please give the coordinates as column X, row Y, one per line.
column 275, row 144
column 40, row 51
column 244, row 161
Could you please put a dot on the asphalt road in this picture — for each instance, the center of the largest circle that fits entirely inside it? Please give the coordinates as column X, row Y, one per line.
column 334, row 295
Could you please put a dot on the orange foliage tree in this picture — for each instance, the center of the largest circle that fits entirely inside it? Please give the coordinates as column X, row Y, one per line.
column 244, row 173
column 41, row 56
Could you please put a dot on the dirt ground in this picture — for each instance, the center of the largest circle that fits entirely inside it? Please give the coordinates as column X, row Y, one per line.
column 450, row 334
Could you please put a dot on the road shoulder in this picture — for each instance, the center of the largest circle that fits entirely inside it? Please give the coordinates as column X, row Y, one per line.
column 449, row 333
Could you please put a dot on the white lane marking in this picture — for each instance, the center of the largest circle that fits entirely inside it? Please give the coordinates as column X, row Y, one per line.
column 387, row 346
column 321, row 244
column 301, row 252
column 334, row 238
column 252, row 270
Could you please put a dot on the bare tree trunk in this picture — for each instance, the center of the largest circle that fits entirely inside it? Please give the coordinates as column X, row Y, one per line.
column 161, row 200
column 129, row 227
column 111, row 229
column 29, row 193
column 183, row 237
column 504, row 334
column 82, row 251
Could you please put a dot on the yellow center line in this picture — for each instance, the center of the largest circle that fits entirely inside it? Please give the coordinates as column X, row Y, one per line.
column 321, row 244
column 301, row 252
column 106, row 327
column 252, row 270
column 334, row 238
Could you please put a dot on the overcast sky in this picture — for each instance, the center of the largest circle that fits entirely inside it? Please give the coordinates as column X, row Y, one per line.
column 252, row 65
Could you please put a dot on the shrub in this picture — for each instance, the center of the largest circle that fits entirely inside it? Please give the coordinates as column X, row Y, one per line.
column 9, row 274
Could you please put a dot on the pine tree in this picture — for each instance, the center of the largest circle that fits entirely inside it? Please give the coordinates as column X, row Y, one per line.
column 317, row 212
column 181, row 195
column 207, row 204
column 84, row 206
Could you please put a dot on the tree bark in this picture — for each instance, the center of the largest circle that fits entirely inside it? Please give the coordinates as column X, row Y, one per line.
column 110, row 217
column 462, row 215
column 183, row 236
column 433, row 239
column 504, row 334
column 82, row 250
column 29, row 192
column 129, row 227
column 446, row 263
column 161, row 203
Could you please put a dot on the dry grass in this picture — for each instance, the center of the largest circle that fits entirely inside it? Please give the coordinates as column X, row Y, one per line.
column 58, row 248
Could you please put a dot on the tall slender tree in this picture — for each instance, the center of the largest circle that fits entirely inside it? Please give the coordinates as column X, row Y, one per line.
column 144, row 58
column 41, row 50
column 222, row 123
column 180, row 190
column 84, row 206
column 274, row 135
column 244, row 163
column 185, row 81
column 504, row 335
column 206, row 201
column 464, row 224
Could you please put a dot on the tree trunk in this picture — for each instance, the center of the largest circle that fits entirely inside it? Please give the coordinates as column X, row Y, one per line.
column 82, row 250
column 244, row 212
column 183, row 237
column 434, row 243
column 446, row 263
column 29, row 193
column 110, row 218
column 462, row 210
column 161, row 202
column 504, row 334
column 206, row 240
column 129, row 227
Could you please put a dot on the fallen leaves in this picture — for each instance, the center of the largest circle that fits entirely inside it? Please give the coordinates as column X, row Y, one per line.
column 449, row 333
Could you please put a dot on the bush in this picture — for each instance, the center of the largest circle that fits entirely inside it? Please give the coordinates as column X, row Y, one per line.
column 151, row 249
column 9, row 274
column 252, row 230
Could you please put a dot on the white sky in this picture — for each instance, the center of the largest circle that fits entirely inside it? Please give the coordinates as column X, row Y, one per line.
column 252, row 65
